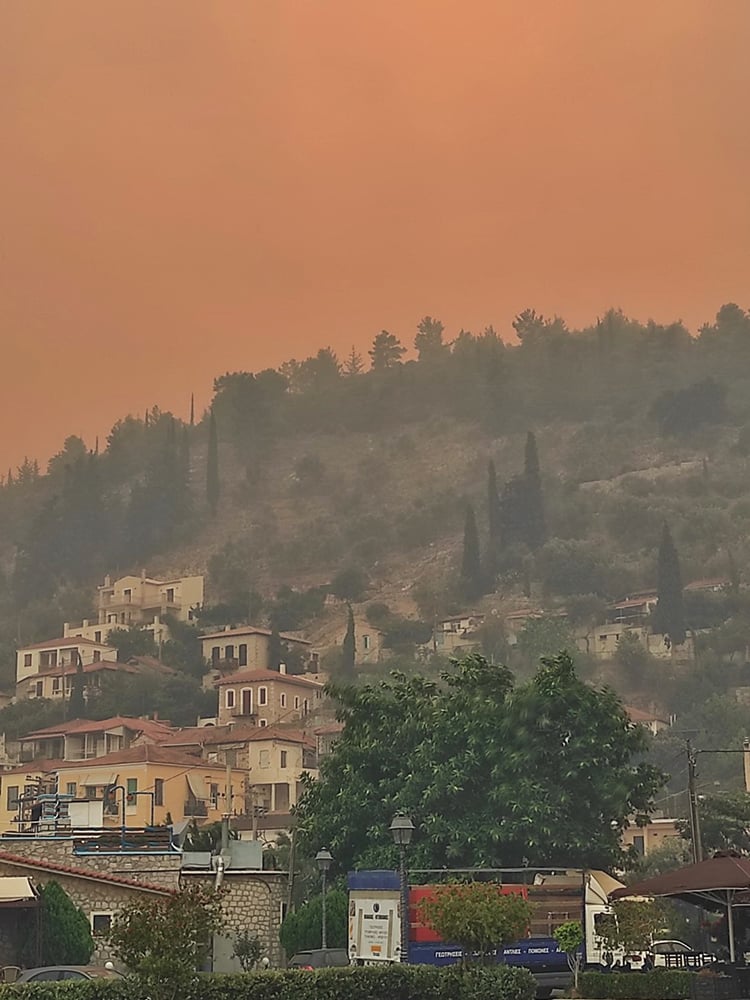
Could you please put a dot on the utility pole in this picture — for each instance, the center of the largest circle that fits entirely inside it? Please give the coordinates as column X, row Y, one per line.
column 695, row 820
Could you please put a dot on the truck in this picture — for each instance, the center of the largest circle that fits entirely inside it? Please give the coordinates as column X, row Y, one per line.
column 556, row 895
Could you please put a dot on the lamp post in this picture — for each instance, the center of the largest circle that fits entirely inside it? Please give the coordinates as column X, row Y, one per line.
column 323, row 860
column 401, row 830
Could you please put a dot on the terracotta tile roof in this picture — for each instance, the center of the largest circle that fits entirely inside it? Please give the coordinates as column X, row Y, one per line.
column 149, row 727
column 145, row 753
column 634, row 602
column 52, row 866
column 253, row 630
column 712, row 583
column 44, row 765
column 260, row 733
column 270, row 676
column 195, row 736
column 65, row 642
column 638, row 715
column 330, row 729
column 89, row 668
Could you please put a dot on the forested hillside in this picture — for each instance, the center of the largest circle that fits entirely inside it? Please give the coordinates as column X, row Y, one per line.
column 372, row 472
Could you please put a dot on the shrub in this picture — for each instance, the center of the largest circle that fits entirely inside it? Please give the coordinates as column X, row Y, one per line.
column 302, row 928
column 66, row 933
column 393, row 982
column 661, row 984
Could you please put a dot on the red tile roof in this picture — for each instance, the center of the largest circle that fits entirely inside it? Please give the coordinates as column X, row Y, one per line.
column 149, row 727
column 52, row 866
column 638, row 715
column 260, row 733
column 90, row 668
column 330, row 729
column 44, row 765
column 145, row 753
column 253, row 630
column 66, row 642
column 269, row 676
column 195, row 736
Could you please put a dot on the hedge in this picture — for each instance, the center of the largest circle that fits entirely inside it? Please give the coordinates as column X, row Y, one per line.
column 393, row 982
column 659, row 984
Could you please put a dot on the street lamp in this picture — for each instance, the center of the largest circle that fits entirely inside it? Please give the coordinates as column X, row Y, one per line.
column 324, row 859
column 401, row 830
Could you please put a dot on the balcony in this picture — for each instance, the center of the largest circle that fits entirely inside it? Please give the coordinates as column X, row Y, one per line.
column 195, row 809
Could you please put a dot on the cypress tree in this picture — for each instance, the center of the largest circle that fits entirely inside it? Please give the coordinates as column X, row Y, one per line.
column 471, row 569
column 669, row 613
column 213, row 488
column 275, row 651
column 494, row 518
column 536, row 529
column 192, row 409
column 348, row 647
column 77, row 705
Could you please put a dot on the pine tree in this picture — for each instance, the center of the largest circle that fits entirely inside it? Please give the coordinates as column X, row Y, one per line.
column 353, row 364
column 536, row 529
column 669, row 613
column 213, row 488
column 349, row 647
column 471, row 569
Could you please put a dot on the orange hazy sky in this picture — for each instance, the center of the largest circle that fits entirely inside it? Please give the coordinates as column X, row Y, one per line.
column 194, row 186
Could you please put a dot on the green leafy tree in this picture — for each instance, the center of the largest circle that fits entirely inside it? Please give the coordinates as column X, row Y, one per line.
column 248, row 950
column 132, row 641
column 348, row 647
column 724, row 821
column 349, row 584
column 542, row 636
column 478, row 916
column 165, row 941
column 569, row 937
column 64, row 929
column 301, row 929
column 490, row 773
column 631, row 924
column 213, row 486
column 386, row 351
column 669, row 613
column 471, row 566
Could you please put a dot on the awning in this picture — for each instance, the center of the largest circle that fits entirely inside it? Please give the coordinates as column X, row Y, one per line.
column 18, row 890
column 197, row 787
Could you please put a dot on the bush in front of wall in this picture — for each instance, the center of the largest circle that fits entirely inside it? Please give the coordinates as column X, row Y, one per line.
column 391, row 982
column 660, row 984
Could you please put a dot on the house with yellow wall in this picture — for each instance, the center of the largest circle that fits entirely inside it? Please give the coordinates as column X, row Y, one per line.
column 266, row 698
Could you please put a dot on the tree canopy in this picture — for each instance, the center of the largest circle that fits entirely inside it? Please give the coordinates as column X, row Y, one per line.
column 492, row 774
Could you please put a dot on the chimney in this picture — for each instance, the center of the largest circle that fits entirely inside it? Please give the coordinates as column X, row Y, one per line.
column 66, row 629
column 107, row 580
column 85, row 623
column 282, row 668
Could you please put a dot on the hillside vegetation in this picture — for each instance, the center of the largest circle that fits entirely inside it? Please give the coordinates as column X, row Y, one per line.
column 364, row 469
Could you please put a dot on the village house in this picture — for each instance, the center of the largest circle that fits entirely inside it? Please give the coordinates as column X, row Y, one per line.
column 141, row 601
column 457, row 633
column 326, row 737
column 602, row 642
column 652, row 835
column 63, row 654
column 653, row 722
column 142, row 785
column 266, row 698
column 248, row 646
column 84, row 739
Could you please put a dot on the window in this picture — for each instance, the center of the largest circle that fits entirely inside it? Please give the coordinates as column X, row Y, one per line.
column 283, row 758
column 365, row 642
column 282, row 699
column 55, row 685
column 97, row 637
column 159, row 791
column 71, row 788
column 229, row 653
column 264, row 758
column 27, row 659
column 12, row 797
column 262, row 723
column 215, row 654
column 170, row 595
column 111, row 619
column 640, row 845
column 230, row 698
column 127, row 595
column 132, row 788
column 262, row 696
column 101, row 923
column 213, row 757
column 213, row 791
column 97, row 655
column 90, row 791
column 39, row 689
column 306, row 706
column 296, row 701
column 282, row 912
column 243, row 654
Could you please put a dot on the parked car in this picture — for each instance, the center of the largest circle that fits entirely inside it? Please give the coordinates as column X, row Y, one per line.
column 683, row 955
column 319, row 958
column 54, row 973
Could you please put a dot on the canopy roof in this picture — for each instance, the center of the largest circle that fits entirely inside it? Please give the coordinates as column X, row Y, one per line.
column 16, row 891
column 704, row 883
